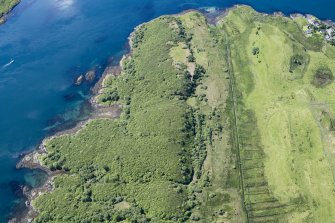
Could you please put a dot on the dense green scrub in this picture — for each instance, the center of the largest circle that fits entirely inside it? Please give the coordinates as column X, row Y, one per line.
column 231, row 122
column 147, row 165
column 142, row 158
column 7, row 5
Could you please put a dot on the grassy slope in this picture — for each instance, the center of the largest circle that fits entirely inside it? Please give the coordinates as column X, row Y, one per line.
column 286, row 157
column 7, row 5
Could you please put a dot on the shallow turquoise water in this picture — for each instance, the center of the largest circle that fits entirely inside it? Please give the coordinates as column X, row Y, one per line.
column 52, row 41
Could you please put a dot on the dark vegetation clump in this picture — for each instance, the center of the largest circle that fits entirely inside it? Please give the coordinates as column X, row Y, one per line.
column 296, row 61
column 138, row 36
column 323, row 77
column 190, row 58
column 327, row 120
column 255, row 51
column 129, row 66
column 111, row 96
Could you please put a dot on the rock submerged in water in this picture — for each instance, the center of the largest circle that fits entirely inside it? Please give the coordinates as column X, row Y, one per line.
column 90, row 75
column 79, row 80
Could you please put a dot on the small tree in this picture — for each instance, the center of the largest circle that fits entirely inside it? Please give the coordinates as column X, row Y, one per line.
column 255, row 51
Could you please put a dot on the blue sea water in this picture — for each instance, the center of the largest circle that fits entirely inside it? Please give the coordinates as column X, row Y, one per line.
column 50, row 42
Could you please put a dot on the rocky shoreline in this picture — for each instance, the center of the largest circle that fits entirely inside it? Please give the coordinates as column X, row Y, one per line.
column 31, row 160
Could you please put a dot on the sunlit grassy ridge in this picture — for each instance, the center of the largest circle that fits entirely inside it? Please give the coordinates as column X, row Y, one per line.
column 220, row 200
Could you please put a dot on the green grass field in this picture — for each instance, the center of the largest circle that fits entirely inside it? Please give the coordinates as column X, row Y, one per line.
column 220, row 123
column 287, row 156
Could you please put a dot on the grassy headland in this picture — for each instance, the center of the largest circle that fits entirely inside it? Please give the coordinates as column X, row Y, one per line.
column 231, row 122
column 6, row 6
column 148, row 165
